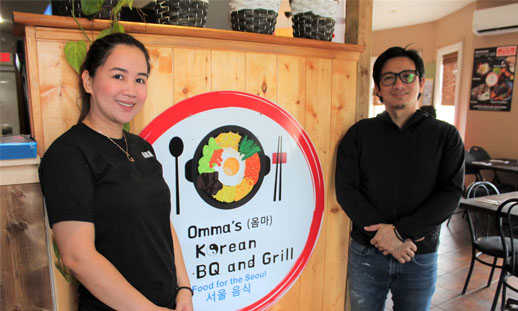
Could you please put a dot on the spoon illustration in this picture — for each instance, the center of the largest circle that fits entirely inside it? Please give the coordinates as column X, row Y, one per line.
column 176, row 149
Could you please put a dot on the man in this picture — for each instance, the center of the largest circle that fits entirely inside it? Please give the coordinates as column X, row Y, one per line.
column 398, row 177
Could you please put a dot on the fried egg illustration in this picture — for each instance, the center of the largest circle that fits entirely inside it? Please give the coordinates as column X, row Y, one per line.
column 232, row 168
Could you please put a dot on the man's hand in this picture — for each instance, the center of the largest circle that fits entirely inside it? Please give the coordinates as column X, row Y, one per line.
column 386, row 241
column 405, row 252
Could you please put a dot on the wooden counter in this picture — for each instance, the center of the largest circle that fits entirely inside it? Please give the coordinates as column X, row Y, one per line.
column 313, row 80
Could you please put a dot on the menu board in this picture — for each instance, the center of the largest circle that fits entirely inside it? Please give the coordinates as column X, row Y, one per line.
column 247, row 196
column 493, row 76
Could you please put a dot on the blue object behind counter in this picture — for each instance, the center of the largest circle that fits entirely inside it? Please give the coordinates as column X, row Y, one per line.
column 17, row 147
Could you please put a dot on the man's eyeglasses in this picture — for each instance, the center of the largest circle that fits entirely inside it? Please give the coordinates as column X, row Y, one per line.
column 406, row 76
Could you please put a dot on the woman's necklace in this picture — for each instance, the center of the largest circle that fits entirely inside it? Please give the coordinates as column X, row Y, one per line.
column 130, row 158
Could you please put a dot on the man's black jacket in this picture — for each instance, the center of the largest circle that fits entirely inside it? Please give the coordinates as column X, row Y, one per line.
column 410, row 177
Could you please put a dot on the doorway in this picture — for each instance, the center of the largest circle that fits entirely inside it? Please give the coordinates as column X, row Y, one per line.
column 447, row 82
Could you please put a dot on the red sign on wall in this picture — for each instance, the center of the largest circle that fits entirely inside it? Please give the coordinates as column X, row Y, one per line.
column 506, row 51
column 5, row 57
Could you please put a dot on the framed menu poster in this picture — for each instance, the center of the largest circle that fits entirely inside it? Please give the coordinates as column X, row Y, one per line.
column 494, row 70
column 247, row 196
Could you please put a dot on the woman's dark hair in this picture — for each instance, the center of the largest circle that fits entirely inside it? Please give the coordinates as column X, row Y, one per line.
column 393, row 52
column 96, row 57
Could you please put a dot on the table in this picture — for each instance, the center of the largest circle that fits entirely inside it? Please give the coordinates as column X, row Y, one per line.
column 504, row 165
column 488, row 204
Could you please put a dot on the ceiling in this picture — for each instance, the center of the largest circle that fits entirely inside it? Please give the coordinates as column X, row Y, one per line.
column 398, row 13
column 8, row 6
column 386, row 13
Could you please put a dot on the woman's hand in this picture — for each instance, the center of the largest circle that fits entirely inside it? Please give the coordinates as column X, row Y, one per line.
column 184, row 301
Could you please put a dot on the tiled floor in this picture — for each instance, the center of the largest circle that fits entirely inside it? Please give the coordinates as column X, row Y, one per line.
column 454, row 260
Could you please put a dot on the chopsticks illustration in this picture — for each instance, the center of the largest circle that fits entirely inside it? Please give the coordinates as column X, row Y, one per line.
column 278, row 169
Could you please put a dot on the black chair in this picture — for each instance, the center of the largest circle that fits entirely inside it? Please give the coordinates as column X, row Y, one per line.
column 468, row 157
column 483, row 240
column 477, row 153
column 468, row 171
column 508, row 229
column 458, row 210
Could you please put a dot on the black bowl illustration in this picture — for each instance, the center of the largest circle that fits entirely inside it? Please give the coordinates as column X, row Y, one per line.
column 228, row 167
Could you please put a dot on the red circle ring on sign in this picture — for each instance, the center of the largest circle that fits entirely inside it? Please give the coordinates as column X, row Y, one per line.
column 226, row 99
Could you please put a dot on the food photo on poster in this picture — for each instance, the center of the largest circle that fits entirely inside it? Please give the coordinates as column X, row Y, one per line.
column 493, row 76
column 249, row 196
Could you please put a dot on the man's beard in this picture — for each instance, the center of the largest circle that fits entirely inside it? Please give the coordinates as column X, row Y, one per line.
column 399, row 107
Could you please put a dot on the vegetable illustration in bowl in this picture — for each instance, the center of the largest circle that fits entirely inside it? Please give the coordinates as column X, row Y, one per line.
column 228, row 167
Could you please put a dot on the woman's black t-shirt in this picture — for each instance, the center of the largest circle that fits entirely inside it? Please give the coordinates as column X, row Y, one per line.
column 85, row 177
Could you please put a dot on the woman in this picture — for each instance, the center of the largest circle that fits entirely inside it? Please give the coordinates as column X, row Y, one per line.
column 107, row 201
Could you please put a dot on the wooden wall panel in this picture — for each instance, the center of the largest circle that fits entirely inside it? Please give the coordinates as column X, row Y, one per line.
column 290, row 301
column 338, row 225
column 24, row 265
column 292, row 97
column 160, row 92
column 191, row 73
column 228, row 71
column 261, row 75
column 66, row 295
column 358, row 30
column 318, row 113
column 318, row 90
column 292, row 86
column 59, row 93
column 36, row 119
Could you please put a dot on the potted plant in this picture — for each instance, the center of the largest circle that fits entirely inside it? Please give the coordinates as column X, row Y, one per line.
column 75, row 51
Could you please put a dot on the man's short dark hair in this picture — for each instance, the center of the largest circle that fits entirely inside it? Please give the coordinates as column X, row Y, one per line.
column 393, row 52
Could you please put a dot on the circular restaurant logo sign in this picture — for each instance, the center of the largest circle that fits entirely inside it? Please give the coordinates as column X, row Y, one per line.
column 247, row 196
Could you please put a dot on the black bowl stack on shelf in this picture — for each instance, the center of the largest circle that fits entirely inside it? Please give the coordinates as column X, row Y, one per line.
column 182, row 12
column 64, row 8
column 259, row 16
column 314, row 19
